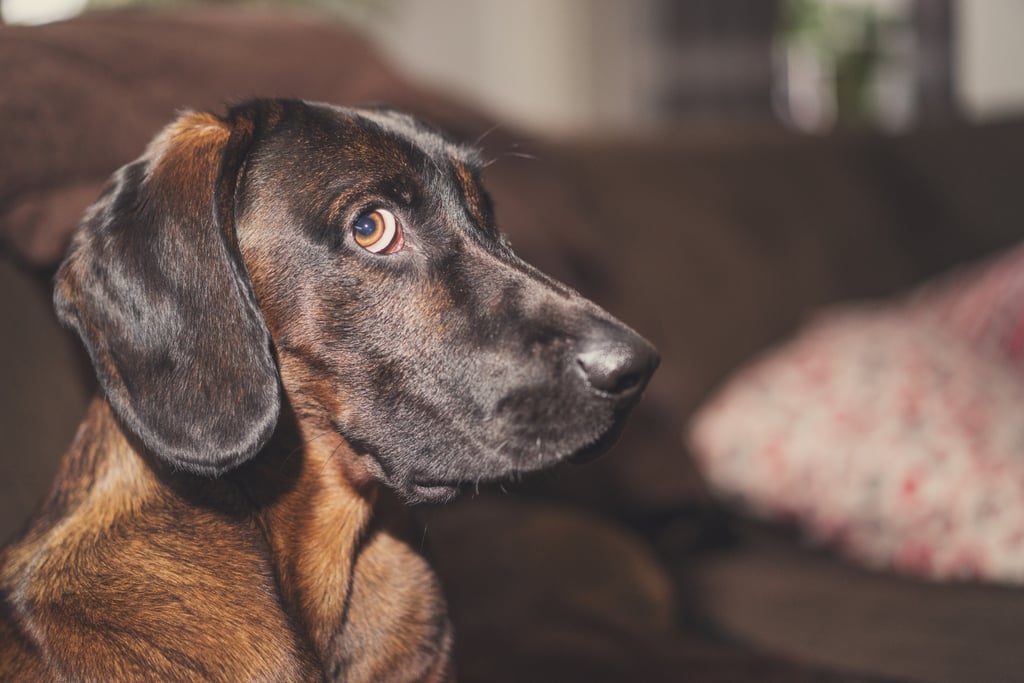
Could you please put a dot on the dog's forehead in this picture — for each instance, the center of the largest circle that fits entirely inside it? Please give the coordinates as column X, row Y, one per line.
column 411, row 129
column 403, row 131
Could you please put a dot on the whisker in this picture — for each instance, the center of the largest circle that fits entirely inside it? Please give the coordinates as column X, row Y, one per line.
column 521, row 155
column 487, row 132
column 510, row 153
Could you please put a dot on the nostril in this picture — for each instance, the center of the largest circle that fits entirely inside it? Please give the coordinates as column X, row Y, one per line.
column 605, row 373
column 617, row 368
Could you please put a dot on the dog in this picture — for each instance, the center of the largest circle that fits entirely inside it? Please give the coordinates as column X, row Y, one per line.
column 302, row 317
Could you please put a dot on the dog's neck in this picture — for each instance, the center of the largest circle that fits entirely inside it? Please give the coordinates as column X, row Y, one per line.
column 344, row 569
column 364, row 602
column 315, row 520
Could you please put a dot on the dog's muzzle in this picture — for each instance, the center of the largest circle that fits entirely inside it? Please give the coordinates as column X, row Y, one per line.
column 615, row 365
column 615, row 361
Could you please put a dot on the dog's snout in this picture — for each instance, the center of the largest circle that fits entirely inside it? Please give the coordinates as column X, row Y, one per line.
column 616, row 361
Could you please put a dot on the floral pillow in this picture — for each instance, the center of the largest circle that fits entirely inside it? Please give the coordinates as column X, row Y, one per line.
column 894, row 433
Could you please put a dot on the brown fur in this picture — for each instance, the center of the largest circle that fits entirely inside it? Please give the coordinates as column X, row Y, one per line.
column 227, row 510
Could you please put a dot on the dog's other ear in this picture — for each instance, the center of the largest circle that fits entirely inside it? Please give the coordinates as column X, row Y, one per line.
column 155, row 285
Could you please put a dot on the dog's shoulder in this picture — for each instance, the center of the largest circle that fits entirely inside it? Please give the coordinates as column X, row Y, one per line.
column 128, row 581
column 171, row 593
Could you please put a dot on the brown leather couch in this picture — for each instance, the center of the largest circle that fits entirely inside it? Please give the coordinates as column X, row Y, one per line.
column 626, row 569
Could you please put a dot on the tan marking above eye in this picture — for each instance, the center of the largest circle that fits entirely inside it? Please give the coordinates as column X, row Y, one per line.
column 378, row 232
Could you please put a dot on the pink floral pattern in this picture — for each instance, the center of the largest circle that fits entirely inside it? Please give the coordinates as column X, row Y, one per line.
column 894, row 432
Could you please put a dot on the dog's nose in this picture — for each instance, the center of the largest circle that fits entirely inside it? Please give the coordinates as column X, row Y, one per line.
column 616, row 361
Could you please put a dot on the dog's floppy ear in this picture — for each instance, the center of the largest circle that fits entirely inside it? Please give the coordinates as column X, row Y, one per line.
column 155, row 285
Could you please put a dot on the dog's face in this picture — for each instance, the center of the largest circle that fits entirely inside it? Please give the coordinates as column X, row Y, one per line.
column 367, row 277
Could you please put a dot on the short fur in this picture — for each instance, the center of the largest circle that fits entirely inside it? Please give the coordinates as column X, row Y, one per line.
column 226, row 510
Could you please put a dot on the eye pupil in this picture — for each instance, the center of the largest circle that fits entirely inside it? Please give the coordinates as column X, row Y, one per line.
column 377, row 232
column 365, row 226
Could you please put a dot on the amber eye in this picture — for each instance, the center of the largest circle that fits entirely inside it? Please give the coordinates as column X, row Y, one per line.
column 378, row 232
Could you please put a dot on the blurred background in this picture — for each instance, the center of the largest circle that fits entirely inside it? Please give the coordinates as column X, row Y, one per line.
column 584, row 67
column 713, row 172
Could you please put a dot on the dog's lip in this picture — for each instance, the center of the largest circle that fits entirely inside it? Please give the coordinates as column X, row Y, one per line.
column 599, row 447
column 605, row 439
column 434, row 491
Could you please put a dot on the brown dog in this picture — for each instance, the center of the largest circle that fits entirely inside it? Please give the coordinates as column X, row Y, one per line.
column 292, row 311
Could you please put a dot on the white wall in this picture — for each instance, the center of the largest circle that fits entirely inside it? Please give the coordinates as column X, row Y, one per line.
column 535, row 63
column 518, row 58
column 579, row 66
column 990, row 58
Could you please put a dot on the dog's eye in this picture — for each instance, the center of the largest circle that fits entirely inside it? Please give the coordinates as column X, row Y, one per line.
column 378, row 232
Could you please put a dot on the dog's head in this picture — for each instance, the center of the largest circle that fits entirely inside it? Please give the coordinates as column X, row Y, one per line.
column 350, row 257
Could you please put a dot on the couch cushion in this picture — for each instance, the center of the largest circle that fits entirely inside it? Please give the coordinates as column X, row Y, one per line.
column 890, row 431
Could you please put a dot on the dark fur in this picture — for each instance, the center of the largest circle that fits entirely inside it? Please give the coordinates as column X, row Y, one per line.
column 219, row 514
